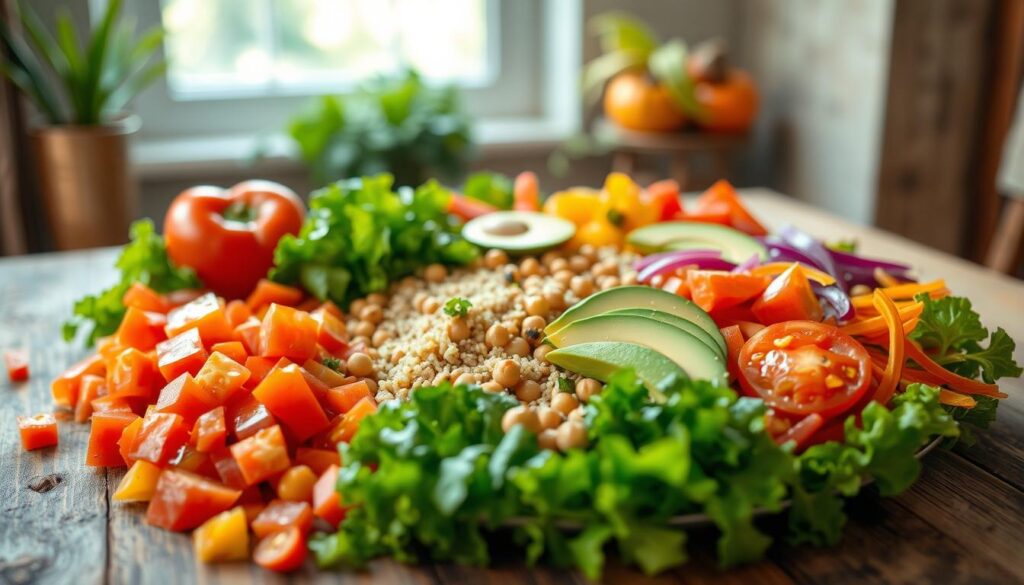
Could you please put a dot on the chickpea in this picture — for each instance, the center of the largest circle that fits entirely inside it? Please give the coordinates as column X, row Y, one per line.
column 533, row 329
column 492, row 387
column 571, row 435
column 555, row 299
column 520, row 415
column 372, row 313
column 582, row 286
column 541, row 353
column 546, row 439
column 549, row 417
column 359, row 364
column 549, row 257
column 608, row 282
column 361, row 340
column 377, row 299
column 537, row 306
column 558, row 264
column 465, row 379
column 578, row 263
column 379, row 337
column 518, row 346
column 586, row 388
column 356, row 307
column 418, row 300
column 606, row 268
column 564, row 403
column 458, row 329
column 296, row 484
column 496, row 336
column 495, row 258
column 630, row 278
column 364, row 329
column 530, row 267
column 506, row 373
column 589, row 252
column 528, row 391
column 430, row 306
column 563, row 277
column 371, row 384
column 435, row 273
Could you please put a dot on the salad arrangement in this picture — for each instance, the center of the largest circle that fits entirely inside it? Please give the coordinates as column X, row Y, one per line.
column 613, row 362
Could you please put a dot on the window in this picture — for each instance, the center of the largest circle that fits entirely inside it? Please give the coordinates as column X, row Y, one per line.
column 240, row 68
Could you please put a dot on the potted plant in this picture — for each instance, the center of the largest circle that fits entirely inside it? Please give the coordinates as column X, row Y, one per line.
column 81, row 90
column 398, row 125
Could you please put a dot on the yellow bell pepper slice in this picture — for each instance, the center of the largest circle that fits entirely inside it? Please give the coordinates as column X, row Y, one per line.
column 138, row 484
column 225, row 537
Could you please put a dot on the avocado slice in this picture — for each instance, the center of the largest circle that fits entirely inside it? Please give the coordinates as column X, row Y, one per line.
column 695, row 358
column 640, row 297
column 601, row 359
column 735, row 245
column 684, row 324
column 518, row 232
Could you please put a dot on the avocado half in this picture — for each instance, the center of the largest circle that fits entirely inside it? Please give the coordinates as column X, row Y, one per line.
column 601, row 359
column 518, row 232
column 735, row 245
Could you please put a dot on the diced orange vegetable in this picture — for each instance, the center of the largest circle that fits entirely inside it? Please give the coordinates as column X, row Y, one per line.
column 749, row 328
column 237, row 312
column 326, row 499
column 210, row 431
column 280, row 515
column 248, row 332
column 776, row 268
column 134, row 374
column 189, row 459
column 104, row 434
column 227, row 469
column 261, row 455
column 127, row 440
column 317, row 459
column 288, row 332
column 139, row 483
column 259, row 367
column 343, row 398
column 159, row 438
column 16, row 362
column 282, row 551
column 712, row 290
column 345, row 428
column 268, row 292
column 222, row 377
column 90, row 389
column 206, row 315
column 183, row 353
column 296, row 484
column 223, row 538
column 246, row 415
column 141, row 329
column 184, row 396
column 468, row 208
column 65, row 387
column 184, row 500
column 37, row 431
column 288, row 397
column 789, row 297
column 723, row 195
column 733, row 342
column 328, row 377
column 142, row 297
column 233, row 349
column 109, row 403
column 526, row 192
column 331, row 331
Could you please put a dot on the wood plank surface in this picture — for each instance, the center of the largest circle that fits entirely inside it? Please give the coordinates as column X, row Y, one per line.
column 960, row 524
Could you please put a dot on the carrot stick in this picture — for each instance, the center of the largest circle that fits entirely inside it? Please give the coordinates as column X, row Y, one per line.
column 954, row 381
column 885, row 279
column 902, row 292
column 956, row 399
column 876, row 325
column 526, row 192
column 897, row 339
column 468, row 208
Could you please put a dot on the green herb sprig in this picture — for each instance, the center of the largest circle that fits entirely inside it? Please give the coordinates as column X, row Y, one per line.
column 457, row 307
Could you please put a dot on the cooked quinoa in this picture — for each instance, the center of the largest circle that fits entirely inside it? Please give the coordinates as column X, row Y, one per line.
column 412, row 343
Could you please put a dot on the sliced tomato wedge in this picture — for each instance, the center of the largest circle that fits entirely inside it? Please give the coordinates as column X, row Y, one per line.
column 282, row 551
column 805, row 367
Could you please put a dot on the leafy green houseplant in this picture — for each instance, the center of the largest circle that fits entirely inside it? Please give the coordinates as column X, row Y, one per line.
column 81, row 87
column 398, row 125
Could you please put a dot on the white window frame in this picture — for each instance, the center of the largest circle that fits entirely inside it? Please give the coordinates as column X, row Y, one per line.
column 549, row 114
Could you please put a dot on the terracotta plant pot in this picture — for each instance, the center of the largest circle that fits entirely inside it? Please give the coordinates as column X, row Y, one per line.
column 85, row 177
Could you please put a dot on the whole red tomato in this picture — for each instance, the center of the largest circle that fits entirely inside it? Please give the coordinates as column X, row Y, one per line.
column 228, row 236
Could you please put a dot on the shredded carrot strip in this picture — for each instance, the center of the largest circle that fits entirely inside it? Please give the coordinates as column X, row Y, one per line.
column 885, row 279
column 777, row 268
column 894, row 366
column 954, row 381
column 877, row 325
column 903, row 291
column 956, row 399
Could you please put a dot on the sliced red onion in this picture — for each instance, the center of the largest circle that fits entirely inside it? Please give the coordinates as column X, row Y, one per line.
column 687, row 258
column 810, row 247
column 748, row 264
column 780, row 251
column 652, row 258
column 854, row 261
column 834, row 301
column 854, row 270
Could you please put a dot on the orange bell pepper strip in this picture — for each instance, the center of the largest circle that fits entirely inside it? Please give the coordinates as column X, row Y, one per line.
column 343, row 398
column 526, row 192
column 281, row 515
column 789, row 297
column 184, row 500
column 38, row 431
column 65, row 387
column 289, row 398
column 331, row 331
column 894, row 366
column 716, row 289
column 261, row 455
column 143, row 298
column 205, row 314
column 16, row 362
column 326, row 499
column 955, row 382
column 223, row 538
column 269, row 292
column 467, row 208
column 326, row 376
column 248, row 332
column 138, row 484
column 104, row 434
column 288, row 332
column 127, row 439
column 777, row 268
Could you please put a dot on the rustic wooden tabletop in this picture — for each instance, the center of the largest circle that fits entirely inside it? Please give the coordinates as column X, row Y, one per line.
column 963, row 522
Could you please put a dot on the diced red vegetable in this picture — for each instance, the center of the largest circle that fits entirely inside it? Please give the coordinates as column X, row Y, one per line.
column 159, row 437
column 210, row 431
column 141, row 329
column 183, row 353
column 326, row 499
column 37, row 431
column 288, row 397
column 184, row 500
column 16, row 362
column 261, row 455
column 206, row 315
column 280, row 515
column 268, row 292
column 288, row 332
column 104, row 434
column 184, row 396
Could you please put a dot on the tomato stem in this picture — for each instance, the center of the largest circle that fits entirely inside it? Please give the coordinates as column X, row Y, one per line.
column 240, row 212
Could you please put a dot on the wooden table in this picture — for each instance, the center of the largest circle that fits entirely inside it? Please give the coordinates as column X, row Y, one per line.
column 963, row 522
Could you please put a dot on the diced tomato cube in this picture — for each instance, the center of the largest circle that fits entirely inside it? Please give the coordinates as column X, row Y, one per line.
column 37, row 431
column 789, row 297
column 237, row 312
column 184, row 500
column 268, row 292
column 346, row 426
column 142, row 297
column 134, row 373
column 205, row 314
column 331, row 332
column 90, row 389
column 177, row 298
column 287, row 332
column 233, row 349
column 159, row 438
column 104, row 434
column 343, row 398
column 141, row 329
column 16, row 362
column 189, row 459
column 247, row 415
column 259, row 367
column 712, row 290
column 248, row 332
column 183, row 353
column 326, row 376
column 127, row 440
column 279, row 515
column 227, row 468
column 184, row 396
column 261, row 455
column 222, row 377
column 65, row 387
column 109, row 403
column 326, row 499
column 288, row 397
column 317, row 459
column 210, row 431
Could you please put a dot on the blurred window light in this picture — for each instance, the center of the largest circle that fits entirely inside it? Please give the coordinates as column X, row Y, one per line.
column 235, row 48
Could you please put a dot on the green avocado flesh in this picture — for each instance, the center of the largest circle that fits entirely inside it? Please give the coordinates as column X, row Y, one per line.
column 640, row 297
column 735, row 245
column 684, row 324
column 601, row 359
column 518, row 232
column 695, row 358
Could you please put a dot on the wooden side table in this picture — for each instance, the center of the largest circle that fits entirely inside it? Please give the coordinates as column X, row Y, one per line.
column 680, row 148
